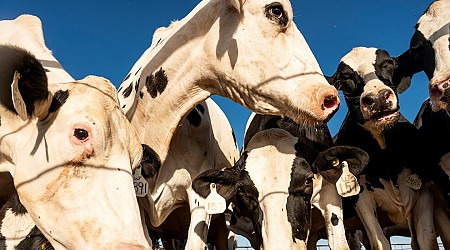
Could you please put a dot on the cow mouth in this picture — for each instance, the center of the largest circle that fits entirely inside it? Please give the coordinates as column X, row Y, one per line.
column 385, row 116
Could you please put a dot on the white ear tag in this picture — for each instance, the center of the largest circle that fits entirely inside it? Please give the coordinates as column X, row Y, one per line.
column 17, row 99
column 214, row 204
column 347, row 185
column 413, row 181
column 140, row 184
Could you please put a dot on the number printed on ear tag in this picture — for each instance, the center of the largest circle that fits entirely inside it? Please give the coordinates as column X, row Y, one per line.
column 347, row 185
column 17, row 98
column 214, row 204
column 413, row 181
column 140, row 184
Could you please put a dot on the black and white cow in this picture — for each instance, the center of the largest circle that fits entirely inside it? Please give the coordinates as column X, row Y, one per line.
column 429, row 51
column 17, row 228
column 374, row 123
column 325, row 199
column 272, row 185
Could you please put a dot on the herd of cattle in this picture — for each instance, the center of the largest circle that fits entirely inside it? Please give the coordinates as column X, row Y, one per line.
column 86, row 166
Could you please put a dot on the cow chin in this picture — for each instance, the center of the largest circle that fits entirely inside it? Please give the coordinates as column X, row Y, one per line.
column 441, row 104
column 381, row 121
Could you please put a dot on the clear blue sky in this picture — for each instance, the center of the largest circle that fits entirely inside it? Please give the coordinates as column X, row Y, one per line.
column 106, row 38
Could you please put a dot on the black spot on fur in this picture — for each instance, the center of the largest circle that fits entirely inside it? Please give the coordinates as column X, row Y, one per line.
column 136, row 86
column 194, row 118
column 59, row 98
column 138, row 71
column 150, row 163
column 128, row 90
column 141, row 94
column 124, row 106
column 334, row 219
column 156, row 83
column 32, row 82
column 126, row 77
column 298, row 205
column 234, row 137
column 201, row 109
column 35, row 240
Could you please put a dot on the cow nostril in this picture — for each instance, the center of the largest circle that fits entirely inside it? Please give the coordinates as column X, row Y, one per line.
column 367, row 101
column 330, row 101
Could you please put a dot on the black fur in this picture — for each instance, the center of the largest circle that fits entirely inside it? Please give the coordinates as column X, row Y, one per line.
column 156, row 83
column 33, row 80
column 150, row 162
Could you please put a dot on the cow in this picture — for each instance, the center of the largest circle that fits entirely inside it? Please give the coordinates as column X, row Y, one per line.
column 56, row 144
column 272, row 185
column 429, row 51
column 326, row 198
column 374, row 123
column 248, row 51
column 17, row 228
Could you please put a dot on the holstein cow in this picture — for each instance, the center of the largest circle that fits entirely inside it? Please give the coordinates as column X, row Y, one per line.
column 429, row 51
column 311, row 140
column 374, row 124
column 248, row 51
column 71, row 159
column 272, row 185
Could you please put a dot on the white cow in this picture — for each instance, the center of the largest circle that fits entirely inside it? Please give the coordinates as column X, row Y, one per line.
column 250, row 52
column 71, row 163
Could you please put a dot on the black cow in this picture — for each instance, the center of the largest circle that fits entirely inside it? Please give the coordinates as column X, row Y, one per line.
column 374, row 123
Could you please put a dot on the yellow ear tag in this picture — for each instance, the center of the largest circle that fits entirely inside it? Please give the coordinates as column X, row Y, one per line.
column 140, row 184
column 413, row 181
column 17, row 99
column 347, row 185
column 214, row 204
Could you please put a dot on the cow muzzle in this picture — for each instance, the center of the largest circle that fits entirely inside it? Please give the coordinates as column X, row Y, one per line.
column 380, row 106
column 440, row 94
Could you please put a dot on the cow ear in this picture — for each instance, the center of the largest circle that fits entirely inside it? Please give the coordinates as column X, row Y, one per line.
column 23, row 82
column 328, row 163
column 405, row 67
column 226, row 180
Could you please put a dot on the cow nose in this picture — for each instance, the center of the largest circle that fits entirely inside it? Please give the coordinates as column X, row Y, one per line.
column 330, row 104
column 368, row 100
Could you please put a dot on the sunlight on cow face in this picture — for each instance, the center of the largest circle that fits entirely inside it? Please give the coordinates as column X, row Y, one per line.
column 74, row 174
column 272, row 60
column 365, row 76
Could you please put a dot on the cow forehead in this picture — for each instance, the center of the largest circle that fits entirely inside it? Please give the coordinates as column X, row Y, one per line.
column 361, row 60
column 435, row 22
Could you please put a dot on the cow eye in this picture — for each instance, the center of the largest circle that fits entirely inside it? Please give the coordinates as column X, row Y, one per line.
column 80, row 134
column 276, row 11
column 309, row 180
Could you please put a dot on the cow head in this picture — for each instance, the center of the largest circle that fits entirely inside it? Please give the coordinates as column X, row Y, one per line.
column 366, row 76
column 429, row 51
column 71, row 152
column 272, row 185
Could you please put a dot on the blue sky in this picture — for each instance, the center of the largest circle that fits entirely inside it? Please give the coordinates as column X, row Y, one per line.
column 106, row 38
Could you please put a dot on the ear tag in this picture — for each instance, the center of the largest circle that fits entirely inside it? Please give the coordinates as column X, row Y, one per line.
column 347, row 185
column 413, row 181
column 17, row 99
column 140, row 184
column 214, row 204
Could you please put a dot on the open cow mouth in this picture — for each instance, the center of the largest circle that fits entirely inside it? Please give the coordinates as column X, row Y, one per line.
column 385, row 116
